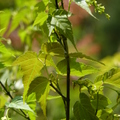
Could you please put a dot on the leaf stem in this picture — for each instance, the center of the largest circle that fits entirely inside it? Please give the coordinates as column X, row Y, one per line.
column 8, row 93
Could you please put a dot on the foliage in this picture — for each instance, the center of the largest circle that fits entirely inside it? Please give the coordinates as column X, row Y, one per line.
column 42, row 71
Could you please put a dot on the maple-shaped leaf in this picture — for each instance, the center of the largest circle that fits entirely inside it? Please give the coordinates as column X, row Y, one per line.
column 30, row 66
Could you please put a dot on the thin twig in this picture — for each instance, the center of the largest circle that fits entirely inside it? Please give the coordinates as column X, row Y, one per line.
column 58, row 91
column 8, row 93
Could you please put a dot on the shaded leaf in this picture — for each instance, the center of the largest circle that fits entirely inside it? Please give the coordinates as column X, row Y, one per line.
column 41, row 18
column 76, row 68
column 30, row 66
column 83, row 110
column 17, row 103
column 83, row 4
column 53, row 48
column 38, row 86
column 44, row 98
column 100, row 101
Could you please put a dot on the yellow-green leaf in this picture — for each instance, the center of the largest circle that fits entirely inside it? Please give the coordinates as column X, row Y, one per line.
column 30, row 66
column 44, row 98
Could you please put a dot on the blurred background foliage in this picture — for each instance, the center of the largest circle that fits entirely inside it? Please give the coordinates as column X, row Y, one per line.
column 97, row 38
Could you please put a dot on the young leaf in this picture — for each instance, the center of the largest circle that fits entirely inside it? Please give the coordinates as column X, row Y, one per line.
column 83, row 110
column 38, row 86
column 30, row 66
column 44, row 98
column 83, row 4
column 17, row 103
column 112, row 77
column 41, row 18
column 76, row 68
column 54, row 49
column 59, row 20
column 81, row 55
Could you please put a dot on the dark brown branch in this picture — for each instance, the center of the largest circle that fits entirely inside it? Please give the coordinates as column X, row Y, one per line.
column 56, row 2
column 58, row 91
column 68, row 77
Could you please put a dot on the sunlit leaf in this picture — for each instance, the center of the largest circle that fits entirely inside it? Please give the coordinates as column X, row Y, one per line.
column 31, row 101
column 3, row 100
column 83, row 4
column 17, row 18
column 112, row 77
column 81, row 55
column 76, row 68
column 50, row 97
column 53, row 48
column 4, row 50
column 38, row 86
column 105, row 114
column 41, row 18
column 30, row 66
column 83, row 110
column 44, row 98
column 60, row 21
column 17, row 103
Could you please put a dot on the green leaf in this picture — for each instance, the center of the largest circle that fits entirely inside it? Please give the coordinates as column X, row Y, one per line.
column 59, row 20
column 1, row 112
column 30, row 66
column 38, row 86
column 50, row 97
column 4, row 50
column 3, row 100
column 17, row 103
column 83, row 110
column 100, row 101
column 105, row 114
column 81, row 55
column 112, row 77
column 17, row 18
column 31, row 101
column 83, row 4
column 53, row 48
column 1, row 65
column 41, row 18
column 76, row 68
column 44, row 98
column 114, row 80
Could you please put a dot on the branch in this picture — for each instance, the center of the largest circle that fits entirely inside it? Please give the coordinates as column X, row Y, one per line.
column 68, row 77
column 8, row 93
column 58, row 91
column 56, row 2
column 62, row 4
